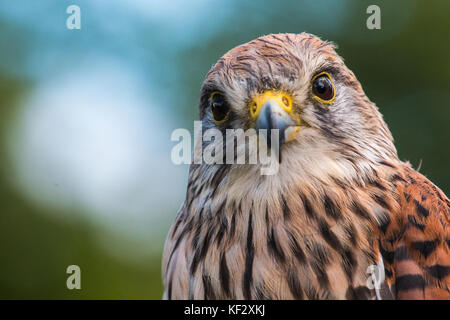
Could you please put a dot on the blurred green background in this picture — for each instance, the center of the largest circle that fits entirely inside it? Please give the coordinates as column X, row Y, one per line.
column 86, row 117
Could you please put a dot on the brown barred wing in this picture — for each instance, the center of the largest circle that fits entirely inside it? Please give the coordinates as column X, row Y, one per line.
column 415, row 247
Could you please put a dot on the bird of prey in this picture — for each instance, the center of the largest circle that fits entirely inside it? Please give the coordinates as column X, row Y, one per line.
column 341, row 204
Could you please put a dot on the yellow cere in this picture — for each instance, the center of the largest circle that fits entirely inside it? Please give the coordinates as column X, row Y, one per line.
column 283, row 99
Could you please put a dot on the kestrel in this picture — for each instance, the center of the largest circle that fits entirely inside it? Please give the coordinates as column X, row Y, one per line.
column 341, row 205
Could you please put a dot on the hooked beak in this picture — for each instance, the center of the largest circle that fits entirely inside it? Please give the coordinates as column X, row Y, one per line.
column 271, row 111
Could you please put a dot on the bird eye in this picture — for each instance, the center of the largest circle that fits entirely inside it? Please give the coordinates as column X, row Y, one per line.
column 219, row 107
column 323, row 88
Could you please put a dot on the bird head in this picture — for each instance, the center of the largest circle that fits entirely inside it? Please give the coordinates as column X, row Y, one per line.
column 299, row 85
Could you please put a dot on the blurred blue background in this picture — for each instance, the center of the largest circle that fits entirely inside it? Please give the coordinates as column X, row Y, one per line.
column 86, row 117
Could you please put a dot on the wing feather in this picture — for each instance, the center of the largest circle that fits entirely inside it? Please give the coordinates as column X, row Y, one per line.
column 416, row 248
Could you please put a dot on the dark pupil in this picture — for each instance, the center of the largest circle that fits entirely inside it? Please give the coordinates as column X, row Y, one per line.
column 323, row 88
column 218, row 107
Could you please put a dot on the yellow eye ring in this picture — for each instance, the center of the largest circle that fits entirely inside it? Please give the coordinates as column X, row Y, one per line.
column 315, row 96
column 212, row 95
column 225, row 118
column 221, row 121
